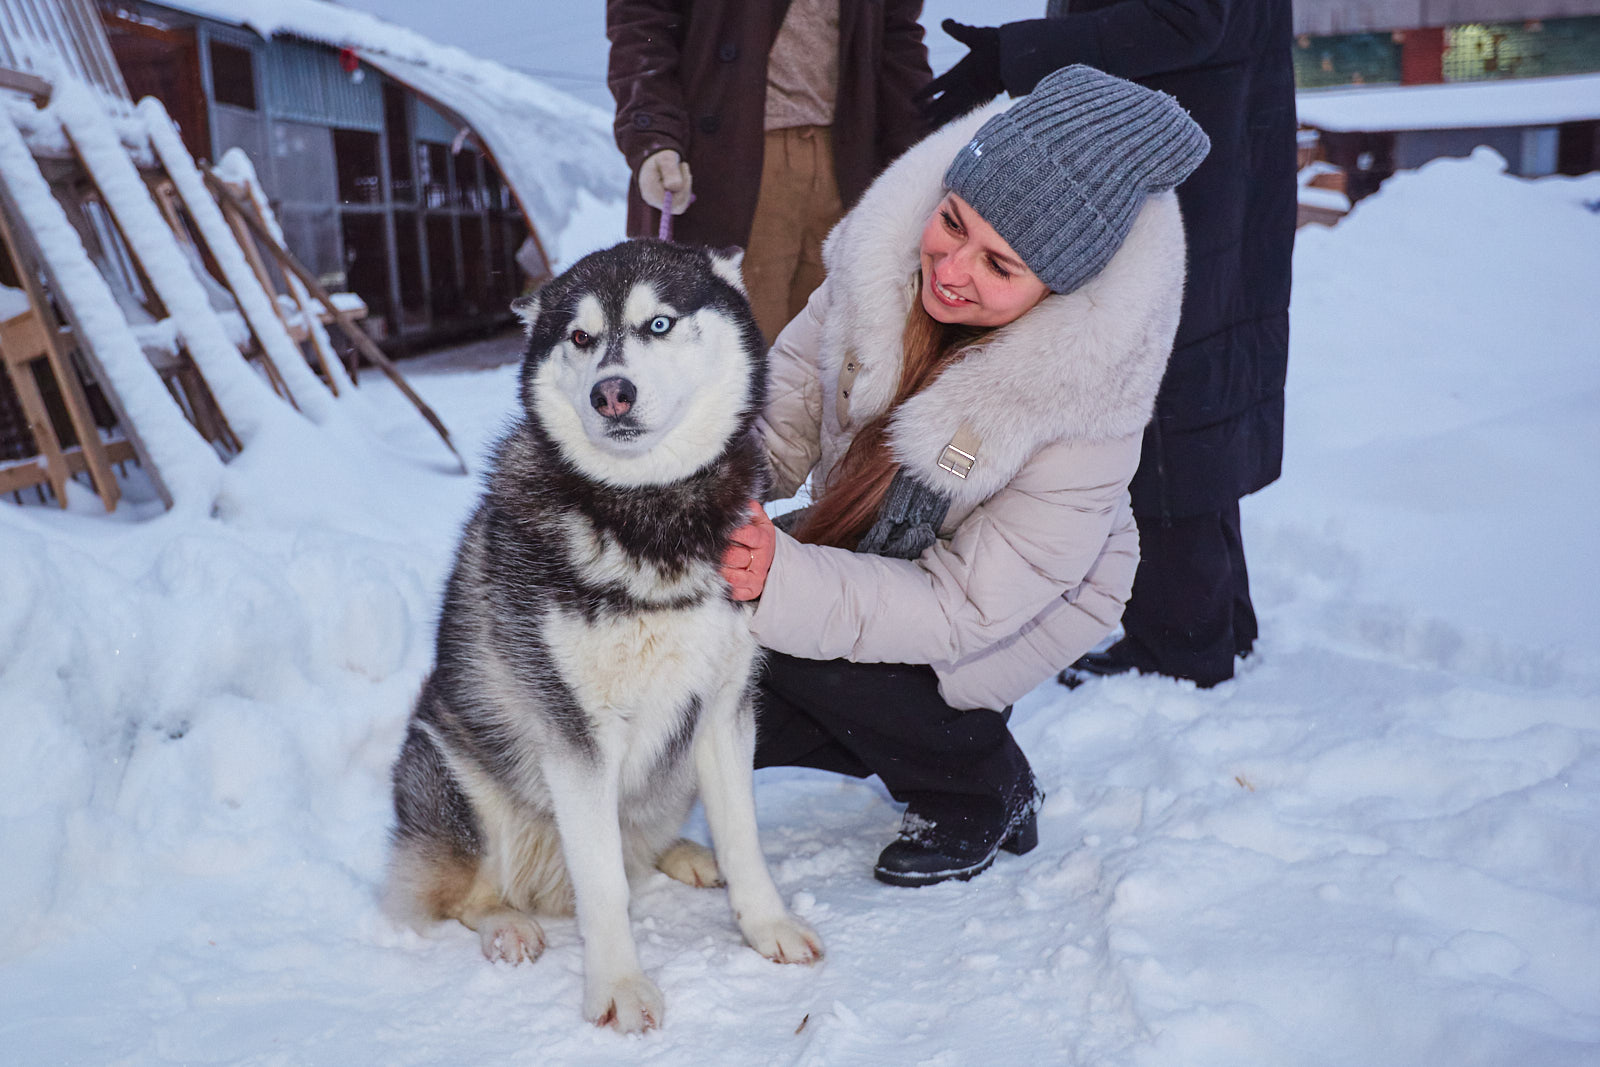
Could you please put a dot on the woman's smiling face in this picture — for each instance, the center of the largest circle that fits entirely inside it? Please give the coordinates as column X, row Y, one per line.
column 970, row 276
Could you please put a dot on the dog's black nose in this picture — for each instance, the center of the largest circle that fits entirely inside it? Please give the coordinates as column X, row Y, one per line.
column 613, row 397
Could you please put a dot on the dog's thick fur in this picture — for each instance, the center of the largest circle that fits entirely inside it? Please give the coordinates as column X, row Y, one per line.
column 591, row 671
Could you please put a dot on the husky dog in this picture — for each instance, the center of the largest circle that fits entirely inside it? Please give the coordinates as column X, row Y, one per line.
column 592, row 672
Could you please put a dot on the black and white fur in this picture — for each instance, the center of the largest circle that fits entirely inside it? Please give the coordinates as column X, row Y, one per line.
column 591, row 673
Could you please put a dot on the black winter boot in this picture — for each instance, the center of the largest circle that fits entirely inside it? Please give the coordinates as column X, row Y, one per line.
column 1120, row 658
column 1125, row 656
column 944, row 838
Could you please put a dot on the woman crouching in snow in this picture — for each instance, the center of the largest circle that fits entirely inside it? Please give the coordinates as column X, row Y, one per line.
column 967, row 391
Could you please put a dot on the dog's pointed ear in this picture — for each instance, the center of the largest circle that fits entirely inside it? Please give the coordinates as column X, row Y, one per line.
column 527, row 309
column 726, row 264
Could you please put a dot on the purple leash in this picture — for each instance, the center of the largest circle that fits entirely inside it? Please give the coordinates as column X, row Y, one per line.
column 665, row 230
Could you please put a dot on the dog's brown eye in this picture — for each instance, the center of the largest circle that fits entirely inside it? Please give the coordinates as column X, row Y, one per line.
column 581, row 339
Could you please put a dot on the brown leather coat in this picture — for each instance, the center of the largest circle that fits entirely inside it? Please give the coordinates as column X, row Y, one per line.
column 693, row 77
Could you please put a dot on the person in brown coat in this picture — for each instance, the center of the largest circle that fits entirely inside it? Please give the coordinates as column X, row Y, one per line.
column 765, row 121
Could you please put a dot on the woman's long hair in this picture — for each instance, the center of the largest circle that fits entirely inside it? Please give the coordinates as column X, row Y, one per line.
column 850, row 501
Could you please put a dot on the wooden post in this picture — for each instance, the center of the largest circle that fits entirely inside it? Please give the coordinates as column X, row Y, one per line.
column 166, row 196
column 42, row 341
column 252, row 253
column 327, row 358
column 21, row 342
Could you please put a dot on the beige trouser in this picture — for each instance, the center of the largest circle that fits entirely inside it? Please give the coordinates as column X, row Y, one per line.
column 798, row 205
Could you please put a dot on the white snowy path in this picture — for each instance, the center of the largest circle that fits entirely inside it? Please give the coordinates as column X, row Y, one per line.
column 1380, row 845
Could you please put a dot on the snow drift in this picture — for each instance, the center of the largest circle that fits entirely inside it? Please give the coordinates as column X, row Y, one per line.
column 1378, row 845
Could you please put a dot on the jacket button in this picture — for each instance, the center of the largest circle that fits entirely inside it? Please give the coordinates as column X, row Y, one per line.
column 728, row 53
column 709, row 124
column 643, row 121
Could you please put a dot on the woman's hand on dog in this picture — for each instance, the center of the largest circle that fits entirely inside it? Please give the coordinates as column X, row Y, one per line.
column 749, row 556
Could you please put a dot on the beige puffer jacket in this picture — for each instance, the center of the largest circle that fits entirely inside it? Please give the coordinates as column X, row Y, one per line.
column 1037, row 554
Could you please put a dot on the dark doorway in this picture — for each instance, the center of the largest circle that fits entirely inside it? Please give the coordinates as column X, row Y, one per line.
column 1578, row 150
column 408, row 260
column 366, row 265
column 444, row 279
column 355, row 154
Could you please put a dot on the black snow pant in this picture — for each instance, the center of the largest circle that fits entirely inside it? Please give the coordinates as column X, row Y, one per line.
column 888, row 719
column 1190, row 612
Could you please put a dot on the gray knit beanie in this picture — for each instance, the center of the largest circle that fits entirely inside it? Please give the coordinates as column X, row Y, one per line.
column 1062, row 173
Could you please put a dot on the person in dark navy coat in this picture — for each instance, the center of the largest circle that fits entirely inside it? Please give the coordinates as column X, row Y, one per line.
column 1217, row 434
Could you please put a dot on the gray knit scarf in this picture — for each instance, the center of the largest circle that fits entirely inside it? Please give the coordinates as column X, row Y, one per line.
column 908, row 519
column 907, row 524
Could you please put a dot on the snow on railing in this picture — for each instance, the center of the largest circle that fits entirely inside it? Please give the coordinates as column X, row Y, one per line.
column 254, row 303
column 250, row 405
column 183, row 461
column 235, row 166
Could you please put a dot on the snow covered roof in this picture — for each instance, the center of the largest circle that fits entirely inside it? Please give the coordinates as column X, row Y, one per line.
column 1462, row 105
column 1320, row 17
column 550, row 146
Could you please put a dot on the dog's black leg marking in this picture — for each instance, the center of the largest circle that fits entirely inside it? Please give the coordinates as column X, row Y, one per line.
column 428, row 802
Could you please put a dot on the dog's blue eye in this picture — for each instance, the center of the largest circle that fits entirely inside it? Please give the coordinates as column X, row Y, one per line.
column 660, row 325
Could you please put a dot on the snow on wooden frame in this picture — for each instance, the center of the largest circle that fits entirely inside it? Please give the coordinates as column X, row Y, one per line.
column 114, row 349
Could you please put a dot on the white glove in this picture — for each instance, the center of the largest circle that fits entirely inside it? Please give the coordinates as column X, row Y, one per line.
column 665, row 172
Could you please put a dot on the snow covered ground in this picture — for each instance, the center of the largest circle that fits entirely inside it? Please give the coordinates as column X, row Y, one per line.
column 1379, row 845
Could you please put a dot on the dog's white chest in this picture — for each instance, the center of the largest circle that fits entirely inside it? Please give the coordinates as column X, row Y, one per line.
column 652, row 659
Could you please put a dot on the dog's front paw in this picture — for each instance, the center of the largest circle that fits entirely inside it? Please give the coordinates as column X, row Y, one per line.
column 690, row 863
column 784, row 939
column 511, row 938
column 631, row 1004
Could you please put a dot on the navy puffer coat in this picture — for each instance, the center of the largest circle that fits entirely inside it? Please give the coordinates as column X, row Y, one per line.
column 1218, row 429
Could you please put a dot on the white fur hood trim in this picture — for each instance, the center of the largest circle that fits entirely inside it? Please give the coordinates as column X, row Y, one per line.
column 1080, row 366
